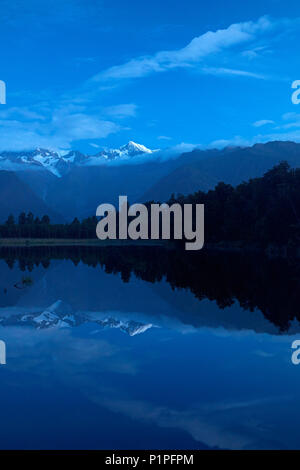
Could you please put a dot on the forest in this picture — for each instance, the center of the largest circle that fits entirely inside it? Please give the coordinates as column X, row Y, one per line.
column 259, row 212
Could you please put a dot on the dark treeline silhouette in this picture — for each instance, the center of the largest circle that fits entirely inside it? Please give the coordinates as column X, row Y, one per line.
column 29, row 226
column 259, row 212
column 271, row 285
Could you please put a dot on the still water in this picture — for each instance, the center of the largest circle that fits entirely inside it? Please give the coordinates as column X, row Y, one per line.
column 115, row 349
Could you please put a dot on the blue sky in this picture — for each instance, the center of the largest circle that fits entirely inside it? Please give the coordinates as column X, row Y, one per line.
column 91, row 73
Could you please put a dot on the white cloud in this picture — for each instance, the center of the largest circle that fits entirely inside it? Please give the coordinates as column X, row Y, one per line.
column 288, row 131
column 56, row 130
column 294, row 121
column 96, row 146
column 234, row 141
column 59, row 121
column 233, row 72
column 289, row 116
column 201, row 47
column 256, row 52
column 292, row 136
column 263, row 122
column 20, row 112
column 164, row 137
column 175, row 150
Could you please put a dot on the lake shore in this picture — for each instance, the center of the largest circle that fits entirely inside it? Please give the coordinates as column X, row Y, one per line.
column 271, row 251
column 77, row 242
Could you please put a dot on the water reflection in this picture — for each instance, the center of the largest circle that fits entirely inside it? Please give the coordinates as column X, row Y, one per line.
column 146, row 348
column 255, row 292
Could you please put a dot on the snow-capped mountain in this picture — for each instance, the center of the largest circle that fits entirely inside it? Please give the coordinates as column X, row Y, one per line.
column 60, row 163
column 61, row 315
column 130, row 150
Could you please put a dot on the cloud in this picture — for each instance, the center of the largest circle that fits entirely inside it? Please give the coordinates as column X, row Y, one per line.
column 58, row 122
column 174, row 151
column 236, row 141
column 199, row 48
column 96, row 146
column 21, row 112
column 225, row 425
column 288, row 132
column 288, row 116
column 80, row 126
column 233, row 72
column 121, row 110
column 164, row 137
column 292, row 136
column 294, row 121
column 57, row 129
column 256, row 52
column 263, row 122
column 157, row 155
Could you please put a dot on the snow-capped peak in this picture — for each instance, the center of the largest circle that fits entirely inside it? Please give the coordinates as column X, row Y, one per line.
column 135, row 148
column 129, row 150
column 60, row 163
column 61, row 315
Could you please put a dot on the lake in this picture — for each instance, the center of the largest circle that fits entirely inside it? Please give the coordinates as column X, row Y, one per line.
column 134, row 348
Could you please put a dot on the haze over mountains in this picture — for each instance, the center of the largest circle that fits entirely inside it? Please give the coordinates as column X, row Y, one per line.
column 73, row 184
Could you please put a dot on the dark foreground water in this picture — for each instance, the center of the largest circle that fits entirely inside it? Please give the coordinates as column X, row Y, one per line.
column 143, row 348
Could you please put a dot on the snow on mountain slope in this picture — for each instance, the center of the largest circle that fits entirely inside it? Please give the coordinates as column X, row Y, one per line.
column 60, row 163
column 130, row 150
column 61, row 315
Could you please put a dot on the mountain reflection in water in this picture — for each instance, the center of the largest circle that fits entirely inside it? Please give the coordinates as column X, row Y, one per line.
column 147, row 348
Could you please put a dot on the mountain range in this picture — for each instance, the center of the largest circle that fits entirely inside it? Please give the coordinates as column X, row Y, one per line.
column 203, row 170
column 61, row 163
column 61, row 315
column 68, row 185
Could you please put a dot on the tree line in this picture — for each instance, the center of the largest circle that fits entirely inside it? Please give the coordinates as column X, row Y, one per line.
column 29, row 226
column 260, row 212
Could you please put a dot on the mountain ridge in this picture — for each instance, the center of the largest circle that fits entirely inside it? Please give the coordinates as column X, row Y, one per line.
column 78, row 191
column 231, row 165
column 60, row 163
